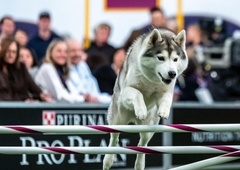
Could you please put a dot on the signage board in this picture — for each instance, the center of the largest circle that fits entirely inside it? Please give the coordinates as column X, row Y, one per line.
column 64, row 116
column 203, row 115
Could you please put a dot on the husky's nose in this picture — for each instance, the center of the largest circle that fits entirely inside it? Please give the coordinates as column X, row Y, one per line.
column 172, row 74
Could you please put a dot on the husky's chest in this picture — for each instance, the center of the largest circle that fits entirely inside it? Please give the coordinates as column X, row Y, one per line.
column 150, row 91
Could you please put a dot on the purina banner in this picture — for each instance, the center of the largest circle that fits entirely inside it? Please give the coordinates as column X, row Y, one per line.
column 73, row 117
column 64, row 116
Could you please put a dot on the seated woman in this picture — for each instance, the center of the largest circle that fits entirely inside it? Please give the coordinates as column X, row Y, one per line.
column 26, row 57
column 53, row 74
column 15, row 82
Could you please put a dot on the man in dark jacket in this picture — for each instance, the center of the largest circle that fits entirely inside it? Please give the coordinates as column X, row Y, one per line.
column 43, row 38
column 157, row 20
column 100, row 45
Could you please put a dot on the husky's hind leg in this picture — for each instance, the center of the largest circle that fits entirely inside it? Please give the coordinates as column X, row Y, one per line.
column 108, row 158
column 114, row 138
column 153, row 119
column 140, row 160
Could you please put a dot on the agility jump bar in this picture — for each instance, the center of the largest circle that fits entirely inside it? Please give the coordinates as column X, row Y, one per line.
column 231, row 156
column 215, row 149
column 103, row 129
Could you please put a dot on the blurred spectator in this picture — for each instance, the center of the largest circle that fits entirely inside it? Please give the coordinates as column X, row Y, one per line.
column 81, row 76
column 26, row 57
column 15, row 82
column 100, row 45
column 106, row 75
column 193, row 80
column 7, row 26
column 195, row 41
column 39, row 43
column 53, row 75
column 0, row 44
column 172, row 25
column 96, row 60
column 21, row 36
column 194, row 35
column 157, row 20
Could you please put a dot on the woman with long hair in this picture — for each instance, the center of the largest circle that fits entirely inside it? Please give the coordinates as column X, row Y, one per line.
column 15, row 82
column 53, row 74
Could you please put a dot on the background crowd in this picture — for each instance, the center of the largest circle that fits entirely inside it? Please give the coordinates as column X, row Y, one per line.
column 51, row 68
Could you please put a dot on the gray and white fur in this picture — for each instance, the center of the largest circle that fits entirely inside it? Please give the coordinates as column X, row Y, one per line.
column 144, row 88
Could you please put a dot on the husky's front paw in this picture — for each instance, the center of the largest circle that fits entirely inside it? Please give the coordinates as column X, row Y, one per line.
column 141, row 112
column 164, row 111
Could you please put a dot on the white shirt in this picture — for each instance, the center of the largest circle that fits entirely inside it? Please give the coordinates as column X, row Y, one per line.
column 83, row 80
column 48, row 79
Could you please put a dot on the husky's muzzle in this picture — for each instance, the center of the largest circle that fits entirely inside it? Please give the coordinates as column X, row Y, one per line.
column 172, row 74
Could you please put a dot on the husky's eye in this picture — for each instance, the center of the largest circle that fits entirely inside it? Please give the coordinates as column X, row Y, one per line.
column 161, row 58
column 175, row 59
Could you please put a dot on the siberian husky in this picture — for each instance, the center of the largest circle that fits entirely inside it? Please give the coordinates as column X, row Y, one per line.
column 144, row 88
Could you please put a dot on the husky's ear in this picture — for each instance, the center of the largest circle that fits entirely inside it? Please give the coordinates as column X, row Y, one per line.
column 181, row 39
column 154, row 37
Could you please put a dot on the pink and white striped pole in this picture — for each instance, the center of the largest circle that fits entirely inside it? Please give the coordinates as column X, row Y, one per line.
column 211, row 161
column 220, row 149
column 103, row 129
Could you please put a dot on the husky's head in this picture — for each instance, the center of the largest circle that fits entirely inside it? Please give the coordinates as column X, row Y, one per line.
column 163, row 57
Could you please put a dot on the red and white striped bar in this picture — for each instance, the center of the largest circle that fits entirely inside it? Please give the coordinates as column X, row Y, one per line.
column 211, row 161
column 103, row 129
column 218, row 149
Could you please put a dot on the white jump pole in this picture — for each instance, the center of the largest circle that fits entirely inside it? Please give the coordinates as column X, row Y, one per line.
column 103, row 129
column 211, row 161
column 121, row 150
